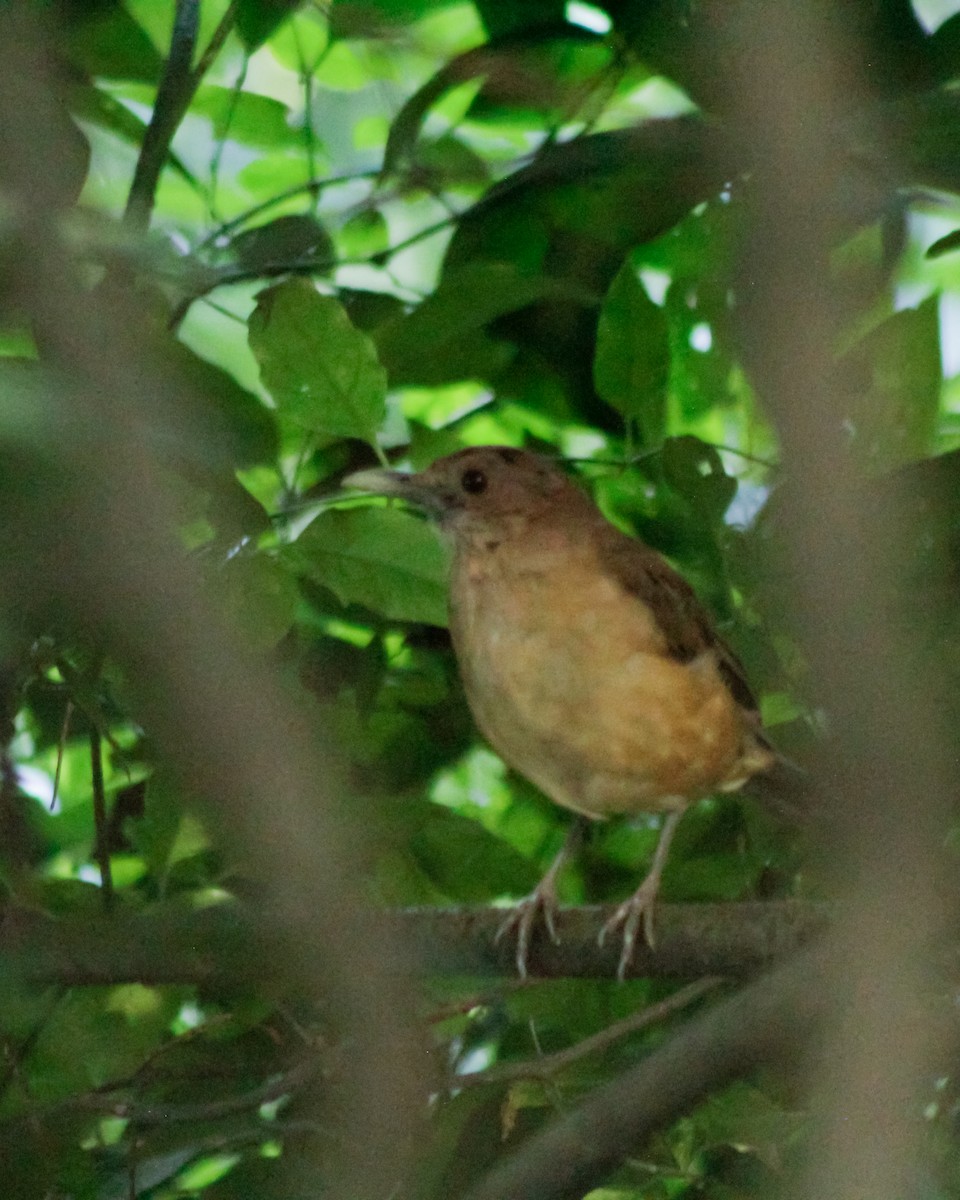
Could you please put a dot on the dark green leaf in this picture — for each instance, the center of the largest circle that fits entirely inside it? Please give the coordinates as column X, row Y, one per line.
column 633, row 354
column 696, row 471
column 502, row 18
column 110, row 44
column 746, row 1118
column 100, row 108
column 258, row 19
column 945, row 245
column 443, row 340
column 503, row 61
column 900, row 365
column 238, row 428
column 246, row 117
column 467, row 863
column 288, row 241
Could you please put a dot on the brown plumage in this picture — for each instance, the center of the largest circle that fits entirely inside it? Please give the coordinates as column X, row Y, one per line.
column 589, row 664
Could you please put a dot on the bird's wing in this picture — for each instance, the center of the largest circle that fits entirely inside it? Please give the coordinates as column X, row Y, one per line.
column 684, row 622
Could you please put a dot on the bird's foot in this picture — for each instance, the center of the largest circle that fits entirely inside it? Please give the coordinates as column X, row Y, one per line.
column 540, row 905
column 638, row 909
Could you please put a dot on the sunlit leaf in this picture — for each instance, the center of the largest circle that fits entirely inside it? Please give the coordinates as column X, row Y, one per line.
column 381, row 557
column 322, row 372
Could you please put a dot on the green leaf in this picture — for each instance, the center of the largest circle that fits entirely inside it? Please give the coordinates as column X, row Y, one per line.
column 895, row 418
column 945, row 245
column 106, row 42
column 258, row 19
column 364, row 235
column 260, row 596
column 506, row 64
column 246, row 117
column 322, row 372
column 381, row 557
column 745, row 1118
column 290, row 240
column 632, row 362
column 232, row 427
column 105, row 111
column 695, row 470
column 468, row 863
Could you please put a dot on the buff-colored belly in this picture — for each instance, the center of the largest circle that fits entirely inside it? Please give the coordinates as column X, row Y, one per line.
column 593, row 711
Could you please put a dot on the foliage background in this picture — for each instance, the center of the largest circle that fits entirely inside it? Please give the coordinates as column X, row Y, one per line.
column 320, row 235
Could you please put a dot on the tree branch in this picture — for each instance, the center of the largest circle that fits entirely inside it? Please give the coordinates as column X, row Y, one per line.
column 177, row 88
column 229, row 943
column 173, row 100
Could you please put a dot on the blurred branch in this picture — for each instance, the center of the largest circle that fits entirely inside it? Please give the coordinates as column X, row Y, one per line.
column 796, row 70
column 103, row 549
column 227, row 943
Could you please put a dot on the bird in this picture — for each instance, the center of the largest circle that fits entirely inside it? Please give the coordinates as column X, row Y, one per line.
column 588, row 662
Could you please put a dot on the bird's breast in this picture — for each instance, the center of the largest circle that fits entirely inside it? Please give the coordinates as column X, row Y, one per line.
column 569, row 678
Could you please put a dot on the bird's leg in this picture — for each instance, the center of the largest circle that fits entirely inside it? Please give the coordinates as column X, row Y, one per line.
column 641, row 904
column 542, row 901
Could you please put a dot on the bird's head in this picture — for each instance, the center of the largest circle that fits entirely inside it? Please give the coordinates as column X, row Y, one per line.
column 480, row 488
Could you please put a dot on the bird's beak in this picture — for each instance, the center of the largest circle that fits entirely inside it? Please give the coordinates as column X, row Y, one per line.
column 395, row 484
column 380, row 483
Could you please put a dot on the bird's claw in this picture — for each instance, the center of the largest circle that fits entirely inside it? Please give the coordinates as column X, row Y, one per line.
column 541, row 903
column 639, row 908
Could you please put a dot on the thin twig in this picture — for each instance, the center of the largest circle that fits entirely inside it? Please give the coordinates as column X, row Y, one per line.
column 101, row 846
column 169, row 1114
column 214, row 46
column 61, row 748
column 217, row 159
column 549, row 1065
column 311, row 187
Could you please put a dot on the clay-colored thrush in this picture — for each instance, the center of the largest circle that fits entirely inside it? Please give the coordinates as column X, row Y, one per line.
column 588, row 662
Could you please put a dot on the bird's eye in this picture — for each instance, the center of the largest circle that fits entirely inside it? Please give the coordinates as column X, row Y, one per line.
column 473, row 481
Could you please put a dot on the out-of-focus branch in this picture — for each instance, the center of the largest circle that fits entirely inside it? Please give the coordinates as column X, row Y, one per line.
column 229, row 944
column 97, row 541
column 795, row 71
